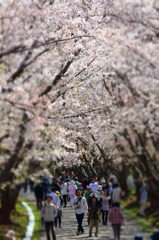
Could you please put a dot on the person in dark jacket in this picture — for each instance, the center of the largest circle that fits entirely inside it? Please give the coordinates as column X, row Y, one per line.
column 39, row 195
column 85, row 183
column 94, row 211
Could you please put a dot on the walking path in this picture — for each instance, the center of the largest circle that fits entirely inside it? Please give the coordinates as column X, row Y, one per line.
column 69, row 227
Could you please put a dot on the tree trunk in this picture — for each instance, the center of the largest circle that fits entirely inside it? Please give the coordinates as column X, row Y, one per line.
column 153, row 195
column 8, row 201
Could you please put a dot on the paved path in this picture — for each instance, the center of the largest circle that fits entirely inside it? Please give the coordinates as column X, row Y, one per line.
column 69, row 227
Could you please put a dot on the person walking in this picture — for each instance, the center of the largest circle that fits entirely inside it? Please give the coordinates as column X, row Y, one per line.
column 58, row 218
column 49, row 212
column 94, row 212
column 55, row 197
column 72, row 191
column 87, row 194
column 117, row 219
column 85, row 182
column 64, row 192
column 39, row 194
column 143, row 198
column 99, row 192
column 155, row 235
column 94, row 185
column 81, row 207
column 116, row 195
column 105, row 206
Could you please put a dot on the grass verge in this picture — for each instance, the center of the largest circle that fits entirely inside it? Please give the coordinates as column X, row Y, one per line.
column 20, row 220
column 36, row 216
column 131, row 209
column 19, row 223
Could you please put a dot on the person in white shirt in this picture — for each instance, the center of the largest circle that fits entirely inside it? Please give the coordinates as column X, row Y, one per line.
column 99, row 192
column 49, row 212
column 81, row 207
column 64, row 192
column 94, row 185
column 105, row 206
column 55, row 198
column 72, row 191
column 116, row 195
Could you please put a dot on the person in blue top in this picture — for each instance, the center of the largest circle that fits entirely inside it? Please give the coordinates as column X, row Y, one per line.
column 143, row 198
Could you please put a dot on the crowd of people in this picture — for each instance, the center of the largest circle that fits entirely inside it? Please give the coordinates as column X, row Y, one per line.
column 97, row 198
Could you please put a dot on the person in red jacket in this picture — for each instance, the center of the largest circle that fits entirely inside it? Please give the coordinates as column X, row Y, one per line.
column 117, row 219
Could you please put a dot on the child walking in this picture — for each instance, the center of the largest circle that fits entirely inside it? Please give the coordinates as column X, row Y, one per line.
column 117, row 219
column 94, row 211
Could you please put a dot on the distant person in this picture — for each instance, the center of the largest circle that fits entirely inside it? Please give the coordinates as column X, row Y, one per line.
column 105, row 206
column 25, row 187
column 72, row 192
column 94, row 185
column 58, row 218
column 10, row 235
column 46, row 185
column 39, row 194
column 138, row 237
column 103, row 183
column 99, row 192
column 31, row 185
column 55, row 197
column 87, row 194
column 85, row 182
column 77, row 183
column 55, row 184
column 117, row 219
column 116, row 195
column 49, row 212
column 64, row 192
column 155, row 235
column 143, row 198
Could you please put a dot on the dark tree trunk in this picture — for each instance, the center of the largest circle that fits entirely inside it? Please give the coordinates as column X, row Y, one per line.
column 153, row 195
column 137, row 182
column 8, row 201
column 122, row 176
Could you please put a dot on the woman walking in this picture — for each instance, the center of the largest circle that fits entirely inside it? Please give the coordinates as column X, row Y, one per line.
column 72, row 192
column 105, row 206
column 64, row 192
column 81, row 207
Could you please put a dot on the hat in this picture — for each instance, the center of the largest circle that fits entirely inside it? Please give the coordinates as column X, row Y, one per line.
column 103, row 180
column 11, row 234
column 138, row 237
column 72, row 182
column 155, row 235
column 99, row 188
column 58, row 193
